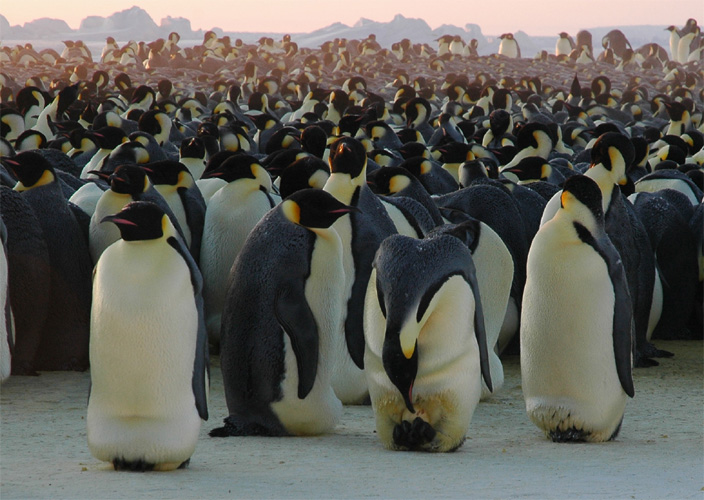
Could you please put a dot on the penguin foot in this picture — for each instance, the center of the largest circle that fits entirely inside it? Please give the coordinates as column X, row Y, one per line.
column 132, row 465
column 413, row 436
column 24, row 368
column 650, row 351
column 572, row 435
column 235, row 427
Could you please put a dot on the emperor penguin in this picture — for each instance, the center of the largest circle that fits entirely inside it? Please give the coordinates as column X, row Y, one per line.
column 176, row 184
column 361, row 233
column 509, row 46
column 576, row 366
column 148, row 346
column 232, row 213
column 282, row 321
column 426, row 350
column 564, row 44
column 64, row 340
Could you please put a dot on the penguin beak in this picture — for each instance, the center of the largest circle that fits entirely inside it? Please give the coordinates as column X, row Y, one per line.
column 117, row 221
column 100, row 174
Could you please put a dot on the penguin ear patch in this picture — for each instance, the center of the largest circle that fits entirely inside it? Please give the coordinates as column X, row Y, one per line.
column 292, row 211
column 614, row 156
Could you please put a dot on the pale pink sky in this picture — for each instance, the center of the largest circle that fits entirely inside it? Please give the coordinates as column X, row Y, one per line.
column 535, row 17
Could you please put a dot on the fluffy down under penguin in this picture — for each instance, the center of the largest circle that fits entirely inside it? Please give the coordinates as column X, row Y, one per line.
column 148, row 346
column 281, row 324
column 426, row 350
column 576, row 323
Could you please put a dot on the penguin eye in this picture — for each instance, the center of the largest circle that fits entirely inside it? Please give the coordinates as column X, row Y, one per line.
column 380, row 298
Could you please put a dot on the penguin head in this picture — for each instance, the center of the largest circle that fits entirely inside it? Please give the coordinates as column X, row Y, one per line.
column 192, row 147
column 169, row 172
column 306, row 172
column 109, row 137
column 348, row 156
column 139, row 221
column 31, row 169
column 128, row 179
column 241, row 166
column 313, row 208
column 531, row 168
column 390, row 180
column 581, row 199
column 615, row 152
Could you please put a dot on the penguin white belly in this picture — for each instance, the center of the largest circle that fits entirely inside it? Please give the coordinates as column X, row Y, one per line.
column 447, row 386
column 208, row 187
column 142, row 350
column 5, row 335
column 101, row 236
column 94, row 163
column 348, row 380
column 568, row 367
column 86, row 197
column 453, row 169
column 229, row 219
column 400, row 222
column 494, row 270
column 320, row 411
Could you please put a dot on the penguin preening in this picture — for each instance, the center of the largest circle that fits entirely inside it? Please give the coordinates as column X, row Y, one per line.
column 426, row 350
column 148, row 346
column 576, row 323
column 282, row 321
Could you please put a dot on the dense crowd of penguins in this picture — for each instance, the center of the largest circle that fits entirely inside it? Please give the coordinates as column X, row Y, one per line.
column 240, row 144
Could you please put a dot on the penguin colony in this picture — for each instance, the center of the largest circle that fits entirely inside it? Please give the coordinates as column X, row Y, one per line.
column 348, row 225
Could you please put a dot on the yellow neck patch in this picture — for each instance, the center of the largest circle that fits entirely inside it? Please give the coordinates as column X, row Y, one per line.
column 292, row 211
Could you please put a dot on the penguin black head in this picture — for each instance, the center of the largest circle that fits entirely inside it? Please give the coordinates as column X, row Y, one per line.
column 110, row 137
column 531, row 168
column 314, row 140
column 417, row 166
column 314, row 208
column 611, row 148
column 31, row 169
column 237, row 166
column 167, row 172
column 348, row 156
column 389, row 180
column 306, row 172
column 584, row 190
column 192, row 147
column 128, row 179
column 139, row 220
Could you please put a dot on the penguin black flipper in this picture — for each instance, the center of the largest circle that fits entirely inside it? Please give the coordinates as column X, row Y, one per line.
column 194, row 205
column 479, row 326
column 623, row 334
column 296, row 318
column 201, row 363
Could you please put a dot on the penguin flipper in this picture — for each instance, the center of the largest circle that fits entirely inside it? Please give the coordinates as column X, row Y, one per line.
column 623, row 315
column 296, row 318
column 479, row 325
column 201, row 363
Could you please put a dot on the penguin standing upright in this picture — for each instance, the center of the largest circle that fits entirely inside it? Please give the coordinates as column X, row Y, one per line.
column 282, row 321
column 232, row 213
column 509, row 46
column 426, row 350
column 64, row 343
column 148, row 347
column 576, row 365
column 361, row 233
column 176, row 184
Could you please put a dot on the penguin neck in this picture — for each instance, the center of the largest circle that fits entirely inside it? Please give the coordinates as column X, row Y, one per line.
column 605, row 182
column 343, row 186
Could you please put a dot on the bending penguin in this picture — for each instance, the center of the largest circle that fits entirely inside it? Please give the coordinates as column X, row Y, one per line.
column 148, row 346
column 280, row 329
column 576, row 323
column 426, row 350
